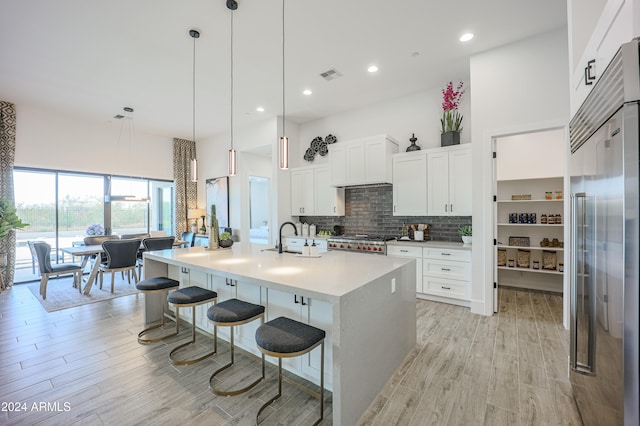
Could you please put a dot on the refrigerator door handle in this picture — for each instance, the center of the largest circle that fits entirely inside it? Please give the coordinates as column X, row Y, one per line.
column 582, row 289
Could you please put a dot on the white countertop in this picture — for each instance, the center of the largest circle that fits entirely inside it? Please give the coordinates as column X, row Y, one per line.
column 334, row 274
column 434, row 244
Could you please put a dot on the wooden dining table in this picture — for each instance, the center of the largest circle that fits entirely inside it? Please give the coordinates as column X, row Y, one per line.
column 87, row 251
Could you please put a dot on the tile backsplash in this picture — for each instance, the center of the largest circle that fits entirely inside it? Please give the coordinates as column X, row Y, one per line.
column 369, row 210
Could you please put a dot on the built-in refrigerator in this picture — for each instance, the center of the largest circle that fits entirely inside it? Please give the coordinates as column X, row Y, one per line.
column 604, row 168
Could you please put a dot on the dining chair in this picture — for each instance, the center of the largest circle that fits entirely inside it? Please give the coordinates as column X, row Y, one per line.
column 34, row 256
column 122, row 255
column 154, row 243
column 97, row 241
column 189, row 237
column 132, row 236
column 43, row 253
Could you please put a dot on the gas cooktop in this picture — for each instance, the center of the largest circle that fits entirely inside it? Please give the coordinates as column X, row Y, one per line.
column 374, row 244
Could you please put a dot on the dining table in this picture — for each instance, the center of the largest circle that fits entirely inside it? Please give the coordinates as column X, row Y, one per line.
column 87, row 251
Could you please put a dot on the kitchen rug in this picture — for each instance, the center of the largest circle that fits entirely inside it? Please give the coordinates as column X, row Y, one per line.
column 62, row 295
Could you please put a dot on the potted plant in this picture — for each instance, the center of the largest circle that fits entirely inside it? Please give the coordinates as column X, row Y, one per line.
column 225, row 240
column 451, row 121
column 9, row 221
column 466, row 232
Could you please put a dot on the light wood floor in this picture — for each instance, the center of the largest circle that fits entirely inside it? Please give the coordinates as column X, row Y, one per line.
column 466, row 369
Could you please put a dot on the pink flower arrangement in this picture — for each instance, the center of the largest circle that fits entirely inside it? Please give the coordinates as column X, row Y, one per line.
column 451, row 119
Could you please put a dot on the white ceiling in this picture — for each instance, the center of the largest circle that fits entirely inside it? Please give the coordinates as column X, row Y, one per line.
column 91, row 58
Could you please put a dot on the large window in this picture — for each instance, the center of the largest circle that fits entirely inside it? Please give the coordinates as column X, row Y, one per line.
column 59, row 206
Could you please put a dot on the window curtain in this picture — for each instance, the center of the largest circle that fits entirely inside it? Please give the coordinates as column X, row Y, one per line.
column 7, row 159
column 186, row 191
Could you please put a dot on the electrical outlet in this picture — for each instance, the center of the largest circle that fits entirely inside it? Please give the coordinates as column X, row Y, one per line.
column 393, row 285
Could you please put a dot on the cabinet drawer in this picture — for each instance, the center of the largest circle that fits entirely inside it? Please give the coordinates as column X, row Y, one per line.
column 404, row 251
column 447, row 288
column 447, row 254
column 447, row 269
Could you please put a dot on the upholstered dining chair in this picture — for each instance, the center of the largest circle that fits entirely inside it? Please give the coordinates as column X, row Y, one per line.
column 43, row 253
column 122, row 255
column 97, row 241
column 132, row 236
column 189, row 237
column 154, row 243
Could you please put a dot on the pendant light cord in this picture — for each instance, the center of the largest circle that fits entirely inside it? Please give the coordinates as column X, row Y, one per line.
column 232, row 79
column 283, row 111
column 193, row 107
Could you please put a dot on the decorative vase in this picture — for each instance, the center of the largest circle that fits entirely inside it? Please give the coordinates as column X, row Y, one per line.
column 413, row 146
column 466, row 239
column 450, row 138
column 226, row 243
column 194, row 229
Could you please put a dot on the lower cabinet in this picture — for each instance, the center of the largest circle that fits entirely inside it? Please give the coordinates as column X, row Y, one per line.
column 310, row 311
column 447, row 273
column 411, row 252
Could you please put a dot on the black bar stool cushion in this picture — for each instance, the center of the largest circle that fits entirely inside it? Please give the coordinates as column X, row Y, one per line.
column 157, row 283
column 233, row 310
column 284, row 335
column 188, row 295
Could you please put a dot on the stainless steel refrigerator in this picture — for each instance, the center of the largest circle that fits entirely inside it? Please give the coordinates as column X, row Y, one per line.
column 604, row 168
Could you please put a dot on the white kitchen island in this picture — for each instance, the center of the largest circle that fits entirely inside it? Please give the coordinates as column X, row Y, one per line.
column 365, row 303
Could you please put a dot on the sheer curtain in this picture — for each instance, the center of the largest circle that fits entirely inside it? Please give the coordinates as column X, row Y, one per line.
column 186, row 191
column 7, row 159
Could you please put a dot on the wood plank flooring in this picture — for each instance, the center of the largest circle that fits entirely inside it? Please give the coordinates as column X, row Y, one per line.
column 84, row 366
column 466, row 369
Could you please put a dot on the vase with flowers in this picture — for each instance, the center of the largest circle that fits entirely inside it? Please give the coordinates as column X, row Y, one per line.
column 451, row 121
column 95, row 229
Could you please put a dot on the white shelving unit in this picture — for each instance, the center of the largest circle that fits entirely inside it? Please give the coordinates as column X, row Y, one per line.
column 543, row 279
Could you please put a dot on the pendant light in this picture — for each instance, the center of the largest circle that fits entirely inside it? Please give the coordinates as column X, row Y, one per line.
column 232, row 5
column 284, row 140
column 194, row 162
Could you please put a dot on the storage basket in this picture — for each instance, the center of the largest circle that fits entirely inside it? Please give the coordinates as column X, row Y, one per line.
column 519, row 241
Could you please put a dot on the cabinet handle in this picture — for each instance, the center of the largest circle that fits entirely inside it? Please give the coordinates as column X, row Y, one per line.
column 588, row 78
column 451, row 209
column 184, row 270
column 445, row 207
column 446, row 269
column 295, row 299
column 229, row 282
column 404, row 251
column 394, row 208
column 334, row 209
column 445, row 288
column 302, row 301
column 445, row 254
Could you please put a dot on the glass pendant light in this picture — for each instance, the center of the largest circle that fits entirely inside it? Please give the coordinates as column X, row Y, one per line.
column 232, row 152
column 284, row 140
column 194, row 162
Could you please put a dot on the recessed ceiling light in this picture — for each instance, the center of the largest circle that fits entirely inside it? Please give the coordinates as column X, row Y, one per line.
column 372, row 68
column 466, row 37
column 260, row 109
column 414, row 54
column 307, row 92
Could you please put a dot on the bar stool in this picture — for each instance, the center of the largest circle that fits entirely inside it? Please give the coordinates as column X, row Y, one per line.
column 183, row 298
column 285, row 338
column 231, row 313
column 157, row 285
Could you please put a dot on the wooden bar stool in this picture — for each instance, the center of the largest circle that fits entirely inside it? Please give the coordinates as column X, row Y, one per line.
column 157, row 285
column 231, row 313
column 183, row 298
column 286, row 338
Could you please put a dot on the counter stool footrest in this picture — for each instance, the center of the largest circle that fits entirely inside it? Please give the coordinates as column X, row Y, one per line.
column 192, row 342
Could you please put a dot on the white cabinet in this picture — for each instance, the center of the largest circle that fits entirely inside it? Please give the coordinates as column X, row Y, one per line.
column 449, row 181
column 447, row 273
column 411, row 252
column 596, row 31
column 312, row 194
column 526, row 249
column 302, row 191
column 329, row 200
column 410, row 184
column 362, row 161
column 309, row 311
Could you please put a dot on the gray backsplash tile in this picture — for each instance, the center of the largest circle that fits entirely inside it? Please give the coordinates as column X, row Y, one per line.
column 369, row 210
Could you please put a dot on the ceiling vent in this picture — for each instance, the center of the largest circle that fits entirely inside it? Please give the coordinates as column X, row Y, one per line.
column 330, row 74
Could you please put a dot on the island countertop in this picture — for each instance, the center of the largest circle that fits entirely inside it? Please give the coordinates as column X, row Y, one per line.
column 328, row 277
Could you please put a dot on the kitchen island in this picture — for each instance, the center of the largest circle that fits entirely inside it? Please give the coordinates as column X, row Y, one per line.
column 366, row 304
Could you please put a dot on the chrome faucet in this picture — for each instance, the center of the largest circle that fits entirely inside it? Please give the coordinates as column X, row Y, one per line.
column 280, row 234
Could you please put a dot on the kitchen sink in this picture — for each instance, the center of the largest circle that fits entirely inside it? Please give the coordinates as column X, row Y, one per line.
column 283, row 251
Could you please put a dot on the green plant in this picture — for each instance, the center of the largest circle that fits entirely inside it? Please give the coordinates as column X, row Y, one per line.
column 225, row 236
column 465, row 231
column 8, row 218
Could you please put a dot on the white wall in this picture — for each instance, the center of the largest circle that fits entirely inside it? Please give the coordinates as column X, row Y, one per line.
column 51, row 140
column 417, row 113
column 531, row 155
column 520, row 87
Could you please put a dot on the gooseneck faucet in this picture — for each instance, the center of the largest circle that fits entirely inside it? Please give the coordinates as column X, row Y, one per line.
column 280, row 234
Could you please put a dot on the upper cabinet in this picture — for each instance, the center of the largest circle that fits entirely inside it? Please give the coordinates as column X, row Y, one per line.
column 596, row 31
column 449, row 181
column 410, row 184
column 312, row 194
column 362, row 161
